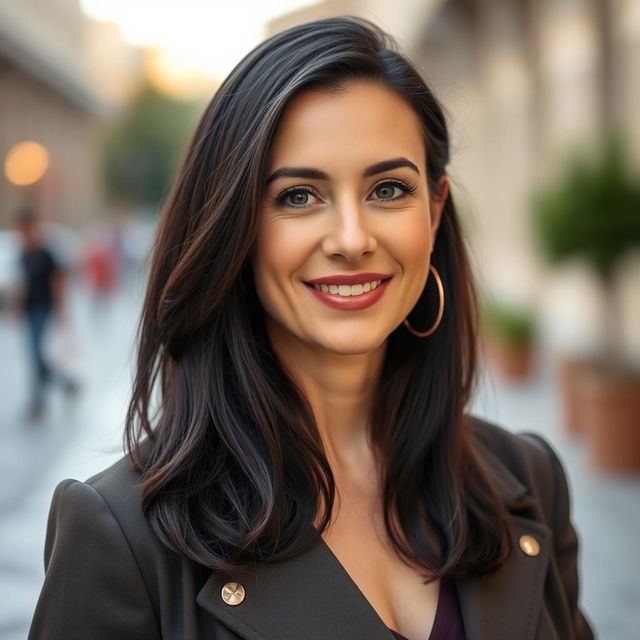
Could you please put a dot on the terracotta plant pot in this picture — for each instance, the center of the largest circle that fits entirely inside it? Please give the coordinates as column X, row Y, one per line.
column 609, row 413
column 508, row 337
column 512, row 362
column 569, row 371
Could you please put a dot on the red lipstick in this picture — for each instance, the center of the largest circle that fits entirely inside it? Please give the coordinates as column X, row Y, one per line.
column 354, row 302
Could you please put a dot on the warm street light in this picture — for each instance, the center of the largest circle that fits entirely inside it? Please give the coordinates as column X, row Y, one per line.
column 26, row 162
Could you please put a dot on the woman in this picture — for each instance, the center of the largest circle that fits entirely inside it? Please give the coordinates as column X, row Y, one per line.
column 305, row 470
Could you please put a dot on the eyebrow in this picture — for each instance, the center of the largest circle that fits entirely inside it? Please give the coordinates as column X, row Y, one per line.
column 387, row 165
column 316, row 174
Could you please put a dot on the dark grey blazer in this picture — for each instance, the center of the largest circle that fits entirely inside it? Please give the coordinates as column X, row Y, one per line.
column 109, row 578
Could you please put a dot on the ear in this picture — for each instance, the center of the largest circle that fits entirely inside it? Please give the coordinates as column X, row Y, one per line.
column 436, row 205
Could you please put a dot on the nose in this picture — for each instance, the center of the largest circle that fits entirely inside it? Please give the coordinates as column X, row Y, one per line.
column 349, row 235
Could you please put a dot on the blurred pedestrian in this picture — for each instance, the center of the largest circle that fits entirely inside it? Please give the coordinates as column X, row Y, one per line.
column 40, row 299
column 101, row 266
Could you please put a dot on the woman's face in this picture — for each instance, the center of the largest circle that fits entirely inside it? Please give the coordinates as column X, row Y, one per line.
column 347, row 221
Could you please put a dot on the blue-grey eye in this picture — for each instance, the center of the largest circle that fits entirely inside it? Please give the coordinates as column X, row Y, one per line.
column 298, row 198
column 391, row 190
column 386, row 191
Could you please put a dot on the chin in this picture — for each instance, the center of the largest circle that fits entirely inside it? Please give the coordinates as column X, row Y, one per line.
column 351, row 345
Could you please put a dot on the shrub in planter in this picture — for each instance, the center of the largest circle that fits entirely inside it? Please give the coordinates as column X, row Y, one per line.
column 592, row 211
column 508, row 336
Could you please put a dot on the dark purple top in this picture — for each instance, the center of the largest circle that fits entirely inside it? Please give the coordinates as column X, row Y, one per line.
column 447, row 624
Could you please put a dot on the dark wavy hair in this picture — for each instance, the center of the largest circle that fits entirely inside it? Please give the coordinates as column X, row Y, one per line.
column 233, row 470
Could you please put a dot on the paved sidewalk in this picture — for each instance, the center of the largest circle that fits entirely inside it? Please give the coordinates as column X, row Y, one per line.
column 79, row 439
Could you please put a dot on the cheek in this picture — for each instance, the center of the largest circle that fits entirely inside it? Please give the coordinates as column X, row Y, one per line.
column 410, row 243
column 279, row 253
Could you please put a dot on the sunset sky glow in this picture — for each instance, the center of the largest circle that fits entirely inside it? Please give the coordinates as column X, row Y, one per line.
column 207, row 36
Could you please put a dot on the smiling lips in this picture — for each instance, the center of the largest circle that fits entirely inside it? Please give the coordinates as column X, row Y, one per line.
column 349, row 292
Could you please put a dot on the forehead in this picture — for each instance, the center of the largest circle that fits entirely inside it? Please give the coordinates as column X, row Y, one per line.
column 363, row 121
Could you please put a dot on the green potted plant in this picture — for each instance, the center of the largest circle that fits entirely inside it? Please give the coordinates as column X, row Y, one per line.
column 508, row 338
column 593, row 211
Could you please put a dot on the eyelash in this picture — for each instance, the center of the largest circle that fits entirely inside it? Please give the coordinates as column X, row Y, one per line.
column 280, row 199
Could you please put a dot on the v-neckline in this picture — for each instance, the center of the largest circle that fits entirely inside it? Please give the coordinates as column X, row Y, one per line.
column 399, row 636
column 355, row 584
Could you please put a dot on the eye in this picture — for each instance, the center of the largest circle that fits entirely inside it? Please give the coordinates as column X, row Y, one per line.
column 297, row 198
column 391, row 190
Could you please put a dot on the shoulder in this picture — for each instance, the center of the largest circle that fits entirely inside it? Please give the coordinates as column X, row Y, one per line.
column 526, row 459
column 94, row 511
column 119, row 486
column 112, row 497
column 115, row 489
column 100, row 556
column 512, row 448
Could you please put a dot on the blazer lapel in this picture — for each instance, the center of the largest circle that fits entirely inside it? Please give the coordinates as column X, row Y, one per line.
column 310, row 596
column 506, row 603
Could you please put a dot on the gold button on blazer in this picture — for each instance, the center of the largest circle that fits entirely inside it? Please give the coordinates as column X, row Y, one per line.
column 108, row 577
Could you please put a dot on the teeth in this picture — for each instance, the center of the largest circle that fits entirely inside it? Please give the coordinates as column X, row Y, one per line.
column 348, row 290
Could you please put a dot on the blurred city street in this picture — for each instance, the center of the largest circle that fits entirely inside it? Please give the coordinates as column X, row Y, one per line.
column 541, row 99
column 76, row 438
column 81, row 436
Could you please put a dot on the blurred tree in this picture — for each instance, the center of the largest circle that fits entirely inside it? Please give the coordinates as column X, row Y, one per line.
column 592, row 211
column 143, row 150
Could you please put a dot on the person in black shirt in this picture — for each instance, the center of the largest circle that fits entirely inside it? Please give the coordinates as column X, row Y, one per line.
column 41, row 298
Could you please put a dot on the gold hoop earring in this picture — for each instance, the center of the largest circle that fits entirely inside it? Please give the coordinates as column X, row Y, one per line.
column 434, row 326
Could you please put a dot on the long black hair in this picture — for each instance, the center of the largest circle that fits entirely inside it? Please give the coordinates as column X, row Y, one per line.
column 233, row 471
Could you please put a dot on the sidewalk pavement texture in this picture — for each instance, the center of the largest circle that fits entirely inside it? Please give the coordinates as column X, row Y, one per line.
column 79, row 438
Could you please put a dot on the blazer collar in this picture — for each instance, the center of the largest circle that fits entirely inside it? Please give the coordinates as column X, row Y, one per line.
column 508, row 487
column 311, row 596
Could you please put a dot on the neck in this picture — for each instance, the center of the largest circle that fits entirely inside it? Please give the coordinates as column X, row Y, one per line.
column 340, row 390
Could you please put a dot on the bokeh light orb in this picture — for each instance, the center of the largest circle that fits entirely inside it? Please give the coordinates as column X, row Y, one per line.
column 26, row 162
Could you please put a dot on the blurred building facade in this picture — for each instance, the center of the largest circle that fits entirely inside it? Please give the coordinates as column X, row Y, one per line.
column 62, row 77
column 522, row 81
